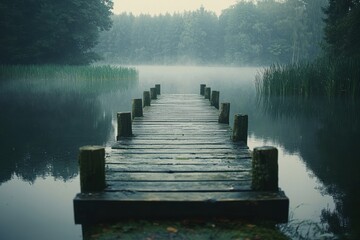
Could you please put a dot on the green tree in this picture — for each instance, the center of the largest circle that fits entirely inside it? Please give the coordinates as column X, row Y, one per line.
column 50, row 31
column 342, row 30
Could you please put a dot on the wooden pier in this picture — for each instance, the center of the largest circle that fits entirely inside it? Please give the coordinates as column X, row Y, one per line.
column 177, row 161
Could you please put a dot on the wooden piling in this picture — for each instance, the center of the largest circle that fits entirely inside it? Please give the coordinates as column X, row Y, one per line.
column 153, row 94
column 207, row 92
column 124, row 125
column 202, row 89
column 240, row 130
column 215, row 96
column 265, row 169
column 92, row 168
column 224, row 113
column 137, row 108
column 158, row 87
column 146, row 97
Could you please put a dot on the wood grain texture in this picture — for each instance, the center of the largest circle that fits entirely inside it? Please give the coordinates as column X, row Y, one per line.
column 180, row 162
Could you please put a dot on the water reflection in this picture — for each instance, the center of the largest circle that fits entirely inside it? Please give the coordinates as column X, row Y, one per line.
column 42, row 126
column 326, row 134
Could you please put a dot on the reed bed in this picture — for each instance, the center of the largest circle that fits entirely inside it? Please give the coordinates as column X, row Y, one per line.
column 50, row 78
column 323, row 77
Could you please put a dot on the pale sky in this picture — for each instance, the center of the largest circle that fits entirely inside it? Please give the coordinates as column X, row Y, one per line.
column 155, row 7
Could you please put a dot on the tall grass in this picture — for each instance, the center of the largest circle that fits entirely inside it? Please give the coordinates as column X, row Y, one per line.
column 81, row 79
column 323, row 77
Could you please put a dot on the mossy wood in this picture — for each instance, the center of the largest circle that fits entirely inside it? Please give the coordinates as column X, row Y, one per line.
column 92, row 168
column 224, row 113
column 265, row 169
column 202, row 89
column 215, row 97
column 153, row 93
column 240, row 132
column 146, row 98
column 137, row 108
column 207, row 94
column 124, row 125
column 180, row 162
column 158, row 89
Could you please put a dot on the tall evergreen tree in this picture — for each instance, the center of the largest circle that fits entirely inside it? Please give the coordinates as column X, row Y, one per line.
column 51, row 31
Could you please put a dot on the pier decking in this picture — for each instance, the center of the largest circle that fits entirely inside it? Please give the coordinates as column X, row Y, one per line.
column 179, row 163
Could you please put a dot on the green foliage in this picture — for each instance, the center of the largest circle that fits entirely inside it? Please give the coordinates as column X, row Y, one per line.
column 80, row 79
column 244, row 34
column 323, row 77
column 51, row 32
column 342, row 31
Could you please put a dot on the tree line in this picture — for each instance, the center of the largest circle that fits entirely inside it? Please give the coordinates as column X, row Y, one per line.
column 51, row 32
column 246, row 33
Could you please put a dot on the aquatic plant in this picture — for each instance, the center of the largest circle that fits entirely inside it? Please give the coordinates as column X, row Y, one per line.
column 82, row 79
column 323, row 77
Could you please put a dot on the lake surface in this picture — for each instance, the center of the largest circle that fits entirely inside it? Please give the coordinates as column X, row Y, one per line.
column 43, row 125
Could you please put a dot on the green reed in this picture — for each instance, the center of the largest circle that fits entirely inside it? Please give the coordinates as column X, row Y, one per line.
column 323, row 77
column 85, row 79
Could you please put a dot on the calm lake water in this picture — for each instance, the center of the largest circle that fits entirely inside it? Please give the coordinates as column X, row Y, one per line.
column 42, row 125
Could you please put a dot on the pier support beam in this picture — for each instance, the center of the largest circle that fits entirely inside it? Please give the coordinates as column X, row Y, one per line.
column 137, row 108
column 158, row 89
column 265, row 169
column 146, row 97
column 153, row 93
column 202, row 89
column 207, row 92
column 124, row 125
column 215, row 96
column 224, row 113
column 240, row 130
column 92, row 168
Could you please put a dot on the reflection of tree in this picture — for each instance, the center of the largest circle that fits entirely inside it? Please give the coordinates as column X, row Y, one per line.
column 40, row 134
column 330, row 136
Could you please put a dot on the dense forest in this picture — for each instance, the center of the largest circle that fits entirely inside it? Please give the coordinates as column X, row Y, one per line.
column 51, row 32
column 247, row 33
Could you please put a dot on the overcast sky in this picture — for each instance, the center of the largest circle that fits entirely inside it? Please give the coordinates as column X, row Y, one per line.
column 155, row 7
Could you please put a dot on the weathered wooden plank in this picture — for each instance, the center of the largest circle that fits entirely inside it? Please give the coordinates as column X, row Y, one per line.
column 186, row 176
column 175, row 168
column 179, row 163
column 209, row 186
column 112, row 206
column 175, row 156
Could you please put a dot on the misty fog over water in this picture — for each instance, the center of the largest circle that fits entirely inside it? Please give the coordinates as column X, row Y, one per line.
column 41, row 178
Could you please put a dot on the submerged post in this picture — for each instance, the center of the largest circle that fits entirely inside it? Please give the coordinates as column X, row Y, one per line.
column 224, row 113
column 240, row 131
column 92, row 168
column 202, row 89
column 124, row 125
column 153, row 94
column 158, row 91
column 207, row 92
column 146, row 97
column 265, row 169
column 215, row 96
column 137, row 108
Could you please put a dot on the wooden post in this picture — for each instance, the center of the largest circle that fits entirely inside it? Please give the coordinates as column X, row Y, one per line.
column 124, row 124
column 240, row 131
column 207, row 92
column 92, row 168
column 137, row 108
column 215, row 96
column 202, row 89
column 158, row 91
column 265, row 169
column 146, row 97
column 224, row 113
column 153, row 94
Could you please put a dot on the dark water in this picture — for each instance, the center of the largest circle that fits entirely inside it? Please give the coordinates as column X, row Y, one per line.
column 43, row 125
